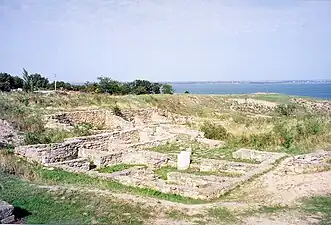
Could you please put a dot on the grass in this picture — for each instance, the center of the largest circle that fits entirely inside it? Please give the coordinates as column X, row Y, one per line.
column 163, row 171
column 200, row 150
column 319, row 204
column 116, row 168
column 44, row 207
column 35, row 173
column 267, row 210
column 223, row 215
column 297, row 134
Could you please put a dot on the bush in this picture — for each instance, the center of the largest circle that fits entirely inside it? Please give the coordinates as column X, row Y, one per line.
column 83, row 129
column 117, row 111
column 286, row 109
column 212, row 131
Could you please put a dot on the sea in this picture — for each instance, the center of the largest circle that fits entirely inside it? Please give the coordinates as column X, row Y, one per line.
column 315, row 90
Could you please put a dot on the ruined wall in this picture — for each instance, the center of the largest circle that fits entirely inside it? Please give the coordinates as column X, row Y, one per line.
column 76, row 164
column 100, row 118
column 50, row 153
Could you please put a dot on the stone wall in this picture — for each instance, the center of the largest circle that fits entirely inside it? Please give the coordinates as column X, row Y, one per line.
column 255, row 155
column 50, row 153
column 146, row 158
column 100, row 118
column 81, row 164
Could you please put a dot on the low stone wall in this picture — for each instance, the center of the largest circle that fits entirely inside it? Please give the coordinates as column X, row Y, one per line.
column 99, row 118
column 193, row 180
column 6, row 213
column 146, row 158
column 68, row 150
column 50, row 153
column 81, row 164
column 255, row 155
column 224, row 166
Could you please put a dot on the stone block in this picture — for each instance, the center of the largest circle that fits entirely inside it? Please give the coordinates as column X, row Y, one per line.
column 8, row 220
column 6, row 210
column 183, row 160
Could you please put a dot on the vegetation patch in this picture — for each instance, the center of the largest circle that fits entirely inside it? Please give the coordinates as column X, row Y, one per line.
column 39, row 206
column 47, row 136
column 223, row 215
column 116, row 168
column 163, row 171
column 216, row 132
column 319, row 204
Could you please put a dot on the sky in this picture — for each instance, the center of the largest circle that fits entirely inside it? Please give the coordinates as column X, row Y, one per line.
column 167, row 40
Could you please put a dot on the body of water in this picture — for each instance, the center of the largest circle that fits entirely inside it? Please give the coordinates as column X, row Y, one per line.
column 316, row 90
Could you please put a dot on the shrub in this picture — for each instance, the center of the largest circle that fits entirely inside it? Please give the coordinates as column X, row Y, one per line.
column 286, row 109
column 284, row 133
column 212, row 131
column 83, row 129
column 117, row 111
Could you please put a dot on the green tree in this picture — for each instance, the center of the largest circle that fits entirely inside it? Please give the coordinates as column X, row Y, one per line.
column 34, row 81
column 27, row 81
column 142, row 87
column 108, row 85
column 5, row 81
column 156, row 87
column 92, row 87
column 17, row 82
column 167, row 89
column 8, row 82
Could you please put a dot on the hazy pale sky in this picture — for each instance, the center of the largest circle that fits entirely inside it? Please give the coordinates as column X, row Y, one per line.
column 167, row 40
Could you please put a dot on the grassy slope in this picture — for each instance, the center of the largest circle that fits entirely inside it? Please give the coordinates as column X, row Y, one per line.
column 67, row 207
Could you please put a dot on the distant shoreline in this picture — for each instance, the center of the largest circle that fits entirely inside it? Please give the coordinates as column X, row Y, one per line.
column 253, row 82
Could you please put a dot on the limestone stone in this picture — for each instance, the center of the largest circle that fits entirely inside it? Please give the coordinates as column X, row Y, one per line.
column 6, row 210
column 183, row 160
column 255, row 155
column 211, row 143
column 8, row 220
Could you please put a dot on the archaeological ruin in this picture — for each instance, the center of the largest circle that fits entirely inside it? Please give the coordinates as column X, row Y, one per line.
column 129, row 138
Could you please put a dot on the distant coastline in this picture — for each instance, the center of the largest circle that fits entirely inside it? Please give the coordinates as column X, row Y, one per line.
column 315, row 89
column 325, row 81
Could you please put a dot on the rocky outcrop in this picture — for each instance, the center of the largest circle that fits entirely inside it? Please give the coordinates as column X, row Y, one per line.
column 8, row 134
column 313, row 105
column 308, row 163
column 252, row 106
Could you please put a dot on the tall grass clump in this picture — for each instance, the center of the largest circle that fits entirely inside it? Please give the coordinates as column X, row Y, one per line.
column 47, row 136
column 11, row 164
column 213, row 131
column 301, row 133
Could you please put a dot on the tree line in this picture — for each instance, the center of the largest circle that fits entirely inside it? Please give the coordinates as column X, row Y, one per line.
column 35, row 81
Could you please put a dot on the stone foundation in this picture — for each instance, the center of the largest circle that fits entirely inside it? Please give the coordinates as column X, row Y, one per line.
column 128, row 146
column 308, row 163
